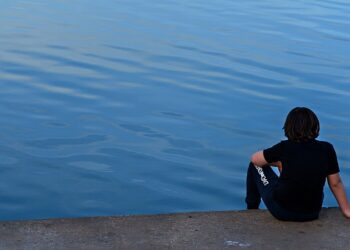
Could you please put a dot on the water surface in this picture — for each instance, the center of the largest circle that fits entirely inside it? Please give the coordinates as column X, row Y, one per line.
column 132, row 107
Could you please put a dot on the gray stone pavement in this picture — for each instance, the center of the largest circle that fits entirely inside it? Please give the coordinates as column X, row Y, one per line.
column 203, row 230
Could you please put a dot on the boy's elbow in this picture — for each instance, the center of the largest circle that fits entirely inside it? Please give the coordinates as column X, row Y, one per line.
column 253, row 159
column 258, row 159
column 334, row 181
column 335, row 185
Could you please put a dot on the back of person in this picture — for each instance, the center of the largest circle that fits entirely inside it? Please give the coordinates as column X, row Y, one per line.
column 304, row 163
column 305, row 168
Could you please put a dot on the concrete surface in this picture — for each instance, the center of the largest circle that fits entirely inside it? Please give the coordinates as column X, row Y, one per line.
column 208, row 230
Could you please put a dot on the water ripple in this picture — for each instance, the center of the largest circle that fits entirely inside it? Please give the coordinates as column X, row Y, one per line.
column 50, row 143
column 120, row 108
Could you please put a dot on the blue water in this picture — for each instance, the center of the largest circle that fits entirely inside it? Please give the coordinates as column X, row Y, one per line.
column 133, row 107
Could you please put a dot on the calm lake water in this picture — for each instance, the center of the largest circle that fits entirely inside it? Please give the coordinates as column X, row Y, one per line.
column 133, row 107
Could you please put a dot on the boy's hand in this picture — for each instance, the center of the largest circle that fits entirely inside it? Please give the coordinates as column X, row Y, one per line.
column 347, row 213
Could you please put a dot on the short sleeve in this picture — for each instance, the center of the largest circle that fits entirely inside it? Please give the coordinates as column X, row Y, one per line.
column 274, row 153
column 333, row 166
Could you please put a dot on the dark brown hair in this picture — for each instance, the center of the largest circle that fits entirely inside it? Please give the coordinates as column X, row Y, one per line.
column 301, row 125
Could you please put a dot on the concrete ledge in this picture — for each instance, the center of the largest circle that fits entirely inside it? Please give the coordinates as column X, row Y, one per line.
column 207, row 230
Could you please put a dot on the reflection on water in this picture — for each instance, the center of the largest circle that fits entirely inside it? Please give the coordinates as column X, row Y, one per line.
column 124, row 107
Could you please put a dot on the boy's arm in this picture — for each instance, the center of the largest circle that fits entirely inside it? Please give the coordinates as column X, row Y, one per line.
column 258, row 159
column 336, row 185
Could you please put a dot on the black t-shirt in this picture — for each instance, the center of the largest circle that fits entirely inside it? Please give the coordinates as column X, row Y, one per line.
column 305, row 168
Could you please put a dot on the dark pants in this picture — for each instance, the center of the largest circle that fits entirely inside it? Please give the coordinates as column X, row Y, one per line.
column 261, row 182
